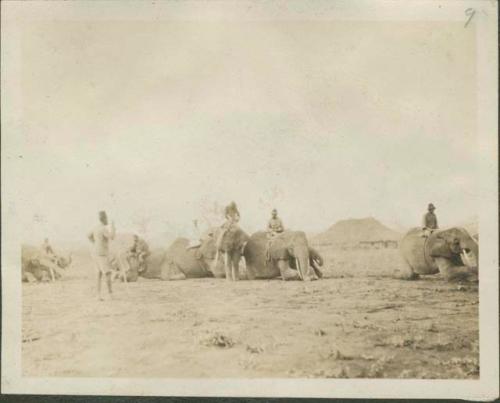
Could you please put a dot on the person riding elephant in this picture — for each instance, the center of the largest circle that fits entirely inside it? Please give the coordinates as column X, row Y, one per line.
column 288, row 256
column 232, row 216
column 275, row 225
column 126, row 256
column 230, row 240
column 452, row 252
column 230, row 243
column 429, row 221
column 139, row 250
column 38, row 265
column 47, row 248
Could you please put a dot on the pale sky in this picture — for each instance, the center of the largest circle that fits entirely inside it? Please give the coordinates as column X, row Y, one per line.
column 324, row 120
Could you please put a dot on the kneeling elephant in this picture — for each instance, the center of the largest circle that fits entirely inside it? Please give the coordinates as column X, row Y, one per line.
column 287, row 255
column 452, row 252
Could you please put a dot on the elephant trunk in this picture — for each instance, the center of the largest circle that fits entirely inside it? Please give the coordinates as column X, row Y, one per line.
column 64, row 262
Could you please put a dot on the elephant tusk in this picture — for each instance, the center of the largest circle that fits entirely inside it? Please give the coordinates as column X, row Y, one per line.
column 467, row 259
column 299, row 268
column 216, row 260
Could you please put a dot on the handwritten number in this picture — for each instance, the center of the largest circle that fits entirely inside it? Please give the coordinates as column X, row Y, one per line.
column 470, row 13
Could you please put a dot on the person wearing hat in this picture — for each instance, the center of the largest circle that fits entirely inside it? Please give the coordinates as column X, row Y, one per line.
column 430, row 222
column 231, row 214
column 275, row 225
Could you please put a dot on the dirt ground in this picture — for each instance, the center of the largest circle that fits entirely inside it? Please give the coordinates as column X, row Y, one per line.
column 356, row 322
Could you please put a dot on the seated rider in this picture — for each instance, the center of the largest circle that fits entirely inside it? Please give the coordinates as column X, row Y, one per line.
column 232, row 216
column 275, row 225
column 48, row 251
column 140, row 250
column 430, row 223
column 49, row 259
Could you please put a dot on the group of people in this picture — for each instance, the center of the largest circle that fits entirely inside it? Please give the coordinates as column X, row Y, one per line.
column 103, row 234
column 48, row 257
column 232, row 215
column 104, row 262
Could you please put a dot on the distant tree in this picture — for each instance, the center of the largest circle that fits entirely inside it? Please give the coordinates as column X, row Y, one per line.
column 211, row 213
column 142, row 223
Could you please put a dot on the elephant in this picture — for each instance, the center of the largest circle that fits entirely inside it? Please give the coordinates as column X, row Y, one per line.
column 38, row 266
column 287, row 254
column 125, row 267
column 127, row 255
column 452, row 252
column 230, row 242
column 181, row 260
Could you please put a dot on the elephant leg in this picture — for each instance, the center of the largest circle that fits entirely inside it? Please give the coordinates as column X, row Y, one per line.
column 250, row 272
column 407, row 273
column 130, row 276
column 451, row 272
column 52, row 275
column 177, row 276
column 173, row 273
column 316, row 269
column 286, row 272
column 445, row 267
column 227, row 269
column 235, row 266
column 50, row 267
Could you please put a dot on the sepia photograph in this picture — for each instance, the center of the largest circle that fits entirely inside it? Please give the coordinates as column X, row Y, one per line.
column 249, row 198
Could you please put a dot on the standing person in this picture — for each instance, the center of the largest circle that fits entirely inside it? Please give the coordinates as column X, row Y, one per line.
column 100, row 237
column 430, row 222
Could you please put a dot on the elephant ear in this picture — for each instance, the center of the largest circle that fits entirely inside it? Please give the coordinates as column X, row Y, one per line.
column 242, row 238
column 440, row 249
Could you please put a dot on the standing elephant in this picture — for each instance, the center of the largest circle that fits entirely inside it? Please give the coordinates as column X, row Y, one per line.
column 230, row 244
column 288, row 255
column 452, row 252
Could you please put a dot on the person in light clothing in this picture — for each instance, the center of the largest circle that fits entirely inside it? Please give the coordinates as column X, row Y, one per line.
column 275, row 225
column 100, row 238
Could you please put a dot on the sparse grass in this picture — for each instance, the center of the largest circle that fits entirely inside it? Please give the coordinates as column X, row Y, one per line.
column 345, row 263
column 364, row 325
column 218, row 340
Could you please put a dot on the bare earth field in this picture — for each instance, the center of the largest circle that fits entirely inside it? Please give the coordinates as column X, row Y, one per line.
column 356, row 322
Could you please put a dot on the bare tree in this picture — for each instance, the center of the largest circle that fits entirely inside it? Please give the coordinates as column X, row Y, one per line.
column 271, row 197
column 211, row 213
column 142, row 223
